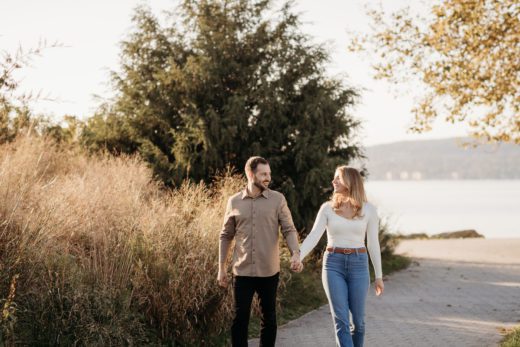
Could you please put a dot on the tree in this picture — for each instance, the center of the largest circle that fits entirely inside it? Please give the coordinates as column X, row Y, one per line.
column 15, row 114
column 226, row 80
column 106, row 130
column 466, row 54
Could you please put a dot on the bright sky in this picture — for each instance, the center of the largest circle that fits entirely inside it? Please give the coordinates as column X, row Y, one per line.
column 92, row 30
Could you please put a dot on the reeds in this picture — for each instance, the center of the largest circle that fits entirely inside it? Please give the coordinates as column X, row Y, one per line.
column 103, row 254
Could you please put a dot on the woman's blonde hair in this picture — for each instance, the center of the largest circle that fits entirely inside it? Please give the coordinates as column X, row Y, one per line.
column 355, row 195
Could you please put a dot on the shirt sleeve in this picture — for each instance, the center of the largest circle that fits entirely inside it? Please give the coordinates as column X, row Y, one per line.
column 289, row 231
column 373, row 241
column 316, row 232
column 227, row 233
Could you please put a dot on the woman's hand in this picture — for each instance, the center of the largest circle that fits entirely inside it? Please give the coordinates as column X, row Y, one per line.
column 380, row 286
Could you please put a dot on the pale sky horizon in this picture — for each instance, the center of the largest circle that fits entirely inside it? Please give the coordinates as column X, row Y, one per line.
column 92, row 31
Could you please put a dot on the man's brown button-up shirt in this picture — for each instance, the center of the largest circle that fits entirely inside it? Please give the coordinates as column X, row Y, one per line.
column 254, row 224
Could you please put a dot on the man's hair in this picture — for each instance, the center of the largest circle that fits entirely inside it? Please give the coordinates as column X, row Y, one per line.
column 252, row 163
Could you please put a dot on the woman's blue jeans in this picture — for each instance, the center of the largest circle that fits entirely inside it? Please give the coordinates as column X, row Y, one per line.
column 346, row 281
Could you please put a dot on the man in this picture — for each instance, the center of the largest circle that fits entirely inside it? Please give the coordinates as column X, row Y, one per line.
column 252, row 218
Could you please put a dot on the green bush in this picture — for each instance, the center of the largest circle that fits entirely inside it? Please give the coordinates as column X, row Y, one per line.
column 512, row 339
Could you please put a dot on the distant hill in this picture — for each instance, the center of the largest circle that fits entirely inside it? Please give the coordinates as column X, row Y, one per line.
column 442, row 159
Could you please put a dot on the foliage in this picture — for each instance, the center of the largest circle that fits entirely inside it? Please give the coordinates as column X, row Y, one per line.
column 223, row 81
column 95, row 252
column 106, row 131
column 8, row 316
column 466, row 55
column 15, row 114
column 104, row 255
column 512, row 339
column 387, row 241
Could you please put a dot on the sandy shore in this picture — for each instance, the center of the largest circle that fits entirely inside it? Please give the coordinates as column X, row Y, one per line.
column 496, row 251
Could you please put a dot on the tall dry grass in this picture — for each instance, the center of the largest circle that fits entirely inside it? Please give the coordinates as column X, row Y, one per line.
column 101, row 254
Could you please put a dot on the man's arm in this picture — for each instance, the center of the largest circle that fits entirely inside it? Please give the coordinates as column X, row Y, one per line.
column 290, row 234
column 287, row 225
column 226, row 237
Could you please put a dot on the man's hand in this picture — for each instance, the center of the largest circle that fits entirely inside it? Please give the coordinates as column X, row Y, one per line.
column 222, row 279
column 296, row 264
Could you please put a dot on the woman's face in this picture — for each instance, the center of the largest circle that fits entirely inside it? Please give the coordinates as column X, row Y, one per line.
column 336, row 183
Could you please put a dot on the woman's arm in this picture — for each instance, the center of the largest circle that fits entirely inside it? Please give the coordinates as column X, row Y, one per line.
column 373, row 240
column 315, row 235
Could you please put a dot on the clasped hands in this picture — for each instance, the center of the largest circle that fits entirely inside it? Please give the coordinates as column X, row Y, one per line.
column 296, row 263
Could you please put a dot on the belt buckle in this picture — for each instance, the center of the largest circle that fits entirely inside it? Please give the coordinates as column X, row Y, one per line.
column 347, row 251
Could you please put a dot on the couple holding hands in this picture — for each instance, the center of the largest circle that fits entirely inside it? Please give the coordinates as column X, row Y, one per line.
column 253, row 218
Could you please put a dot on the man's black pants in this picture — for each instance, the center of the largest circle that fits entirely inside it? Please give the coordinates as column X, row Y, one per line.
column 244, row 289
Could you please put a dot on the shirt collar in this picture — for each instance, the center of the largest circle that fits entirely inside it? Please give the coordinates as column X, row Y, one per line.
column 265, row 194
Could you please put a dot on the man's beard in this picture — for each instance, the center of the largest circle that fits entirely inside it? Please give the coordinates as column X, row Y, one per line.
column 259, row 185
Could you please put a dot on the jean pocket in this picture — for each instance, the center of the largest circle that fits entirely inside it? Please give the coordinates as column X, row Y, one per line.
column 334, row 260
column 361, row 259
column 332, row 255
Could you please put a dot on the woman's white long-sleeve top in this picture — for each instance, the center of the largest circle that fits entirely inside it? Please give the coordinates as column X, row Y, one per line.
column 347, row 233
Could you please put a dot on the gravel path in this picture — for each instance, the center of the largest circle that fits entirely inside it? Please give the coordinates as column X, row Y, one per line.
column 456, row 293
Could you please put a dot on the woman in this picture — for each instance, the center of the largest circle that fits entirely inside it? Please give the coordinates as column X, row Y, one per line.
column 348, row 217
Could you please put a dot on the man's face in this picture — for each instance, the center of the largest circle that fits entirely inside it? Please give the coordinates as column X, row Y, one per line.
column 262, row 176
